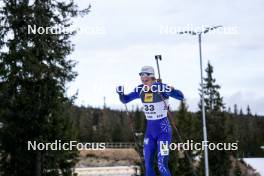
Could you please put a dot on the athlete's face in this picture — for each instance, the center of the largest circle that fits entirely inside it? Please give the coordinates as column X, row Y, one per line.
column 146, row 80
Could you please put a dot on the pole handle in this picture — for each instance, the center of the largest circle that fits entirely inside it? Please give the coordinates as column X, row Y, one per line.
column 158, row 57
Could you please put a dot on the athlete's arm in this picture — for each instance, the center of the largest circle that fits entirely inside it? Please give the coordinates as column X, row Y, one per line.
column 129, row 97
column 177, row 94
column 174, row 93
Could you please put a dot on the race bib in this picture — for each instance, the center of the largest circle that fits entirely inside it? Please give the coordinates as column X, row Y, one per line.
column 164, row 148
column 155, row 111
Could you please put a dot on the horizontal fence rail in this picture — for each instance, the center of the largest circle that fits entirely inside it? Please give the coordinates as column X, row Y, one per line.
column 117, row 145
column 109, row 171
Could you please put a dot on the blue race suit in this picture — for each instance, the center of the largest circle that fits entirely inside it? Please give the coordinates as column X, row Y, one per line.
column 158, row 133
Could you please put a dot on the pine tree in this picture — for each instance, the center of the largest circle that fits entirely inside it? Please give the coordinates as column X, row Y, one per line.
column 138, row 120
column 219, row 160
column 33, row 74
column 104, row 129
column 229, row 110
column 235, row 109
column 139, row 128
column 185, row 129
column 180, row 165
column 237, row 169
column 249, row 111
column 241, row 112
column 212, row 98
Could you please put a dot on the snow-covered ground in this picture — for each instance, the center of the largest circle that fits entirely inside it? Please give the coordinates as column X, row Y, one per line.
column 256, row 163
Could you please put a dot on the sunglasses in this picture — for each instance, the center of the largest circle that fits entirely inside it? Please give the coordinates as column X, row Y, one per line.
column 144, row 74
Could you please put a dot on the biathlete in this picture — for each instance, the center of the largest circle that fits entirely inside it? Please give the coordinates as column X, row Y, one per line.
column 154, row 96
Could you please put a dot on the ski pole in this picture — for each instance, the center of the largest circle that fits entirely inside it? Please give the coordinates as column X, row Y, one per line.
column 158, row 57
column 134, row 137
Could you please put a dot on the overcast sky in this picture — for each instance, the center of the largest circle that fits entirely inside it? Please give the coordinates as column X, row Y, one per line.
column 118, row 37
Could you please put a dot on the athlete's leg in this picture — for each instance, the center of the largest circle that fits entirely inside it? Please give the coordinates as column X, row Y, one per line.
column 149, row 154
column 163, row 143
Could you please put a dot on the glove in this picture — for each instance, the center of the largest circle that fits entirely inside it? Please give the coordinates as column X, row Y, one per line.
column 159, row 80
column 120, row 90
column 171, row 87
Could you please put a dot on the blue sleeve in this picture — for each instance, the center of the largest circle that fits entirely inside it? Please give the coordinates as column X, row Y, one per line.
column 129, row 97
column 177, row 94
column 174, row 93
